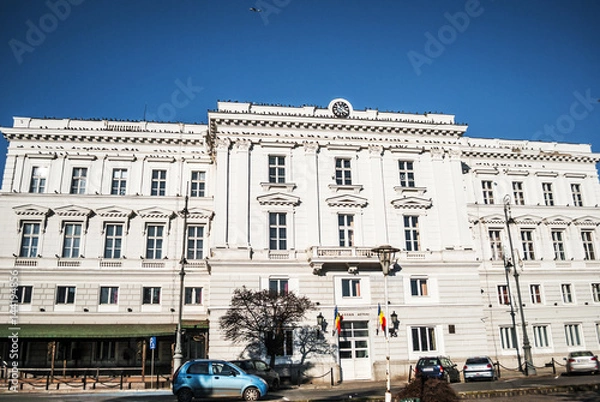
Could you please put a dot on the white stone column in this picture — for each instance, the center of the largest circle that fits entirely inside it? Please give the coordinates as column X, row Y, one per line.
column 239, row 195
column 380, row 207
column 221, row 192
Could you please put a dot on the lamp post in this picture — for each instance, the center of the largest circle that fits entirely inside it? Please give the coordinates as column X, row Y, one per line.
column 385, row 254
column 529, row 367
column 178, row 352
column 507, row 266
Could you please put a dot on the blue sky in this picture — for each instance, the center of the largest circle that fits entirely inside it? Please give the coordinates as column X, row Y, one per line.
column 517, row 69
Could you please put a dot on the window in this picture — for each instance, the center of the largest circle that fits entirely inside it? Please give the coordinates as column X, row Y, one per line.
column 276, row 169
column 540, row 336
column 113, row 240
column 411, row 233
column 65, row 295
column 71, row 240
column 195, row 242
column 565, row 290
column 495, row 244
column 576, row 194
column 346, row 230
column 285, row 342
column 105, row 350
column 154, row 242
column 119, row 182
column 572, row 334
column 159, row 182
column 503, row 295
column 109, row 295
column 508, row 338
column 527, row 243
column 351, row 287
column 193, row 296
column 423, row 339
column 150, row 295
column 596, row 292
column 30, row 239
column 418, row 286
column 518, row 195
column 343, row 174
column 558, row 244
column 407, row 174
column 198, row 184
column 535, row 291
column 278, row 286
column 38, row 179
column 587, row 240
column 487, row 191
column 78, row 180
column 24, row 294
column 548, row 196
column 277, row 231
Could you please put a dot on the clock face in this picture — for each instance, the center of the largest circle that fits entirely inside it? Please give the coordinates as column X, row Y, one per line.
column 340, row 109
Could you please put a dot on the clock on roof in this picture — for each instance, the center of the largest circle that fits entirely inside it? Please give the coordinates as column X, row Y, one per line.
column 340, row 107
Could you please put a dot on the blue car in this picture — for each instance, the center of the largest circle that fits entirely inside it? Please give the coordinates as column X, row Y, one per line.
column 202, row 378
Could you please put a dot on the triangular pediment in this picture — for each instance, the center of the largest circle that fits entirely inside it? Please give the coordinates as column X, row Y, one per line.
column 347, row 200
column 31, row 210
column 114, row 212
column 278, row 199
column 587, row 220
column 412, row 203
column 156, row 213
column 73, row 210
column 494, row 219
column 199, row 213
column 557, row 220
column 528, row 219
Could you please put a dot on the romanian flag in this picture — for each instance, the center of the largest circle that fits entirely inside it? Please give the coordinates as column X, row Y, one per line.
column 380, row 319
column 337, row 319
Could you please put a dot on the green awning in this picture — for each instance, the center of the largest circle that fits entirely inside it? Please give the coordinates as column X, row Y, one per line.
column 79, row 331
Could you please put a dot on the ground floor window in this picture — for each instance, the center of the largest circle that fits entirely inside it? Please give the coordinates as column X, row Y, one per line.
column 423, row 339
column 508, row 337
column 540, row 334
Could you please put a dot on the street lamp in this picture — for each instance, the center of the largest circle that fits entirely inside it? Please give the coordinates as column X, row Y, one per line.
column 529, row 367
column 386, row 254
column 178, row 352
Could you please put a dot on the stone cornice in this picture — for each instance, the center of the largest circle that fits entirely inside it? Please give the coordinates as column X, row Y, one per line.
column 540, row 155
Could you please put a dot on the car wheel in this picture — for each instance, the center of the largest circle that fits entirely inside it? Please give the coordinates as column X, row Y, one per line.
column 251, row 394
column 185, row 395
column 275, row 385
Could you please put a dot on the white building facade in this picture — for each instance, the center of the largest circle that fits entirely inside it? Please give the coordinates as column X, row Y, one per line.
column 295, row 199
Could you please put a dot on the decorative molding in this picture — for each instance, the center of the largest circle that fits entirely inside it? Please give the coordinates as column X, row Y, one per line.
column 266, row 186
column 347, row 200
column 32, row 210
column 278, row 199
column 357, row 188
column 156, row 213
column 412, row 203
column 410, row 191
column 545, row 173
column 73, row 210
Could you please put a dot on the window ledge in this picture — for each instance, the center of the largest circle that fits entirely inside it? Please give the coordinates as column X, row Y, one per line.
column 355, row 188
column 266, row 186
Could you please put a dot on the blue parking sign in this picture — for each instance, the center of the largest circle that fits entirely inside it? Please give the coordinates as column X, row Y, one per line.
column 152, row 342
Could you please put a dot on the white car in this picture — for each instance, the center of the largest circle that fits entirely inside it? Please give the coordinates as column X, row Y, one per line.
column 479, row 368
column 582, row 361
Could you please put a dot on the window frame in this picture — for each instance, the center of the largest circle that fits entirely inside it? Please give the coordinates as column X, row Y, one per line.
column 110, row 297
column 37, row 182
column 198, row 183
column 587, row 241
column 508, row 337
column 65, row 295
column 278, row 231
column 351, row 288
column 412, row 238
column 343, row 171
column 279, row 286
column 495, row 243
column 30, row 241
column 518, row 192
column 535, row 293
column 193, row 296
column 540, row 342
column 576, row 194
column 113, row 243
column 72, row 250
column 118, row 185
column 558, row 244
column 423, row 334
column 503, row 293
column 158, row 184
column 24, row 294
column 527, row 243
column 276, row 169
column 406, row 173
column 548, row 193
column 150, row 294
column 419, row 286
column 195, row 241
column 487, row 191
column 345, row 229
column 566, row 293
column 154, row 242
column 78, row 180
column 573, row 335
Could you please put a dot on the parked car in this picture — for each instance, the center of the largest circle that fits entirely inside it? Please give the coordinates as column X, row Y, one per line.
column 479, row 367
column 203, row 378
column 440, row 367
column 582, row 361
column 261, row 369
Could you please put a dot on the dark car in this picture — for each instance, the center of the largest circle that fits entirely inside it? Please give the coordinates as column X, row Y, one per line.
column 261, row 369
column 440, row 367
column 479, row 367
column 202, row 378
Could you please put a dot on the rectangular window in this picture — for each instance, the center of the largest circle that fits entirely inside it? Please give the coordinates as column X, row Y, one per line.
column 527, row 244
column 78, row 180
column 343, row 174
column 518, row 195
column 285, row 345
column 346, row 230
column 24, row 294
column 113, row 240
column 407, row 174
column 195, row 242
column 278, row 286
column 540, row 336
column 65, row 295
column 159, row 182
column 567, row 296
column 558, row 243
column 573, row 334
column 38, row 179
column 198, row 184
column 109, row 295
column 496, row 244
column 535, row 291
column 277, row 231
column 587, row 239
column 508, row 338
column 418, row 286
column 576, row 194
column 71, row 240
column 193, row 296
column 487, row 191
column 503, row 296
column 351, row 287
column 423, row 339
column 154, row 242
column 105, row 350
column 276, row 169
column 119, row 182
column 30, row 238
column 150, row 295
column 596, row 292
column 548, row 195
column 411, row 233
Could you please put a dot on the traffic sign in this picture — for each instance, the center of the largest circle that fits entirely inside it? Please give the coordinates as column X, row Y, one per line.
column 152, row 342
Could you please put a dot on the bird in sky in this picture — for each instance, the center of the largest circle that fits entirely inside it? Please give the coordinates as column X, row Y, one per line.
column 255, row 10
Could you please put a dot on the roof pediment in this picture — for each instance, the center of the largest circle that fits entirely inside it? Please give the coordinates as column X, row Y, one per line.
column 73, row 210
column 495, row 219
column 347, row 200
column 156, row 212
column 199, row 213
column 528, row 220
column 278, row 199
column 412, row 203
column 31, row 210
column 114, row 212
column 557, row 220
column 587, row 220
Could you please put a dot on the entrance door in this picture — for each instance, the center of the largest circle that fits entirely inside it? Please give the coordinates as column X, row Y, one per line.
column 354, row 350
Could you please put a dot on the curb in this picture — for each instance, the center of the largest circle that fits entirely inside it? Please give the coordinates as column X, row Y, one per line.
column 528, row 391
